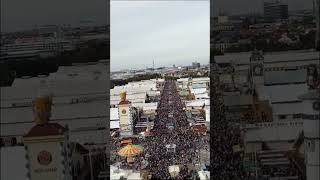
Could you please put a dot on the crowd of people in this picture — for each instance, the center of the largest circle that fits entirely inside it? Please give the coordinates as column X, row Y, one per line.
column 225, row 133
column 226, row 164
column 172, row 128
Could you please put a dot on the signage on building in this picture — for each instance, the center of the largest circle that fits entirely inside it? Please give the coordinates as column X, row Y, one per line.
column 44, row 158
column 258, row 70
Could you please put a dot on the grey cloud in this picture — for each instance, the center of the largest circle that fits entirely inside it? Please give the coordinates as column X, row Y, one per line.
column 169, row 32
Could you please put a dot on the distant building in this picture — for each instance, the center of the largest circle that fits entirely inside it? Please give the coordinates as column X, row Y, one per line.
column 317, row 11
column 195, row 65
column 50, row 31
column 275, row 10
column 223, row 19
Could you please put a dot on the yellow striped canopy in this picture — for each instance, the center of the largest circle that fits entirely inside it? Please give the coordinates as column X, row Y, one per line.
column 130, row 150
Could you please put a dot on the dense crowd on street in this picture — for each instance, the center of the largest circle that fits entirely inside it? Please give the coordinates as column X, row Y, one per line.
column 225, row 163
column 172, row 128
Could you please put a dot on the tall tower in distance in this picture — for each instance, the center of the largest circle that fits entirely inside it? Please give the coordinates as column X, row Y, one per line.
column 153, row 64
column 275, row 10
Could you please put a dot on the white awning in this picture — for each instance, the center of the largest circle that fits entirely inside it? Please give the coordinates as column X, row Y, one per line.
column 114, row 124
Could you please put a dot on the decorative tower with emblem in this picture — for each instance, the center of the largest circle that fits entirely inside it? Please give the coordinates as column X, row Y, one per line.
column 125, row 115
column 46, row 143
column 256, row 71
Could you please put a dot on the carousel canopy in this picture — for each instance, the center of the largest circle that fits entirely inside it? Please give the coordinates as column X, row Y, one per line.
column 130, row 150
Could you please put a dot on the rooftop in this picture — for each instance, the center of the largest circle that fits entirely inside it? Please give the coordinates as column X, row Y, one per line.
column 238, row 100
column 289, row 56
column 297, row 76
column 198, row 103
column 50, row 129
column 282, row 93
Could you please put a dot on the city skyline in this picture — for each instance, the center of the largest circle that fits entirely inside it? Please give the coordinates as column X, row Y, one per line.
column 179, row 36
column 37, row 12
column 252, row 6
column 158, row 66
column 58, row 12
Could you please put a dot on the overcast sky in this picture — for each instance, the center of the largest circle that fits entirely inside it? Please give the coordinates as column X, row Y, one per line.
column 168, row 32
column 25, row 14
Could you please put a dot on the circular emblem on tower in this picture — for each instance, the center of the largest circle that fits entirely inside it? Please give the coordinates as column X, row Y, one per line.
column 44, row 158
column 257, row 70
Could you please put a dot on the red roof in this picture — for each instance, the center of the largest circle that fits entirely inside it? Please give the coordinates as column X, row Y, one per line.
column 50, row 129
column 126, row 141
column 124, row 102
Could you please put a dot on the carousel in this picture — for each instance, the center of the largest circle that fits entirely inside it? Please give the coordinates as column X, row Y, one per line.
column 130, row 151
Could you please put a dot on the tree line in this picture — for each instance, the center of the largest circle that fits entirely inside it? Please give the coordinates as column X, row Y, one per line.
column 121, row 82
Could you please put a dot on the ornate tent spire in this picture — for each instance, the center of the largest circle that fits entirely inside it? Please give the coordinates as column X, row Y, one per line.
column 123, row 95
column 42, row 104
